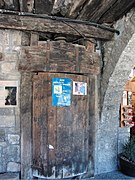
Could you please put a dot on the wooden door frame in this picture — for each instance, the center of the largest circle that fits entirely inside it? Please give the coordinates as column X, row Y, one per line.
column 26, row 124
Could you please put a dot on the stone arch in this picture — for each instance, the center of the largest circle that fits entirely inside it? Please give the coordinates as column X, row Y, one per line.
column 112, row 50
column 110, row 134
column 120, row 75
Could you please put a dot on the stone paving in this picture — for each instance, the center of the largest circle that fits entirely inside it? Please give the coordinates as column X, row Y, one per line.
column 115, row 175
column 112, row 175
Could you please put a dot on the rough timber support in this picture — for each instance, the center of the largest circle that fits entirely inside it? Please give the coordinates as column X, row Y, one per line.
column 47, row 25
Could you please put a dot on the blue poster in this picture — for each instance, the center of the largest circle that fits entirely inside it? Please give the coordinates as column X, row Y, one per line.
column 61, row 91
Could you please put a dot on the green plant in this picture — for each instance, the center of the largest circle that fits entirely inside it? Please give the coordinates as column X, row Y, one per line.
column 129, row 149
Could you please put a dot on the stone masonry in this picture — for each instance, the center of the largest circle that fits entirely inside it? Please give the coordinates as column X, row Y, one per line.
column 10, row 42
column 119, row 59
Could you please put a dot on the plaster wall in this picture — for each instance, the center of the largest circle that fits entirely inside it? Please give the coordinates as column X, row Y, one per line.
column 119, row 59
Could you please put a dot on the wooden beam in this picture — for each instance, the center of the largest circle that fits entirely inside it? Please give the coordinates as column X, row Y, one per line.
column 93, row 10
column 76, row 7
column 10, row 5
column 36, row 24
column 43, row 6
column 117, row 10
column 105, row 11
column 58, row 57
column 68, row 8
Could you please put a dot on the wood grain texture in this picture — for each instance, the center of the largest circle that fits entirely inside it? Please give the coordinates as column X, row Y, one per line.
column 43, row 6
column 58, row 57
column 10, row 5
column 105, row 11
column 63, row 128
column 25, row 111
column 27, row 23
column 101, row 11
column 117, row 10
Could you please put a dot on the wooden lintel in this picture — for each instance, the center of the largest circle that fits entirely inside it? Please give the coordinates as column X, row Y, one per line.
column 36, row 24
column 56, row 57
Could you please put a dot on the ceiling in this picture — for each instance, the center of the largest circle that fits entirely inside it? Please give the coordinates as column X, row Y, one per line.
column 99, row 11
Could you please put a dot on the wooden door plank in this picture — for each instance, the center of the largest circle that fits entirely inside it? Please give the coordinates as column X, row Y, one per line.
column 61, row 132
column 40, row 123
column 64, row 138
column 52, row 129
column 80, row 112
column 26, row 124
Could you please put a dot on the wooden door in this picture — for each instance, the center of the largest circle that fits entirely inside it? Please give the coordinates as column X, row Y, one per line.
column 60, row 133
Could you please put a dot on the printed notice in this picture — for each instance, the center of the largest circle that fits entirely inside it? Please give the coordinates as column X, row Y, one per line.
column 79, row 88
column 61, row 91
column 8, row 93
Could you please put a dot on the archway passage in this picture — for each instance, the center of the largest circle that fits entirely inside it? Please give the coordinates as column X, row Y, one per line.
column 110, row 134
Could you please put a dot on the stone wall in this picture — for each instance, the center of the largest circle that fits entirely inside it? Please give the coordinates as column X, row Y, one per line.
column 10, row 42
column 113, row 49
column 119, row 59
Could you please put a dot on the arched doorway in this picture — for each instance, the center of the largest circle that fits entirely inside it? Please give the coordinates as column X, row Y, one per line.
column 110, row 136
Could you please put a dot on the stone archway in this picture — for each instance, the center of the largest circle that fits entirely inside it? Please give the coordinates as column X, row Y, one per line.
column 110, row 135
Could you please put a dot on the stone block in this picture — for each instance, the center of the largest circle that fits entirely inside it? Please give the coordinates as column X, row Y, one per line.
column 13, row 139
column 2, row 135
column 0, row 152
column 8, row 67
column 10, row 56
column 12, row 153
column 2, row 169
column 12, row 38
column 1, row 56
column 9, row 176
column 3, row 144
column 13, row 167
column 7, row 121
column 107, row 165
column 6, row 111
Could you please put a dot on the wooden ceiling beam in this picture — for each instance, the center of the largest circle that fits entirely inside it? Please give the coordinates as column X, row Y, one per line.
column 105, row 11
column 93, row 10
column 117, row 10
column 36, row 24
column 70, row 8
column 76, row 7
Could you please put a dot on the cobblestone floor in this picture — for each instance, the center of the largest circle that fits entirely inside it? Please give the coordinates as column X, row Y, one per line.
column 112, row 175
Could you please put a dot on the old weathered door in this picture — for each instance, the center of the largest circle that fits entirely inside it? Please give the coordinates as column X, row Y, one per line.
column 60, row 131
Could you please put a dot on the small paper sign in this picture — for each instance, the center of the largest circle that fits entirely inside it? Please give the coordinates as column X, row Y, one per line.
column 8, row 93
column 79, row 88
column 61, row 91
